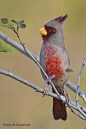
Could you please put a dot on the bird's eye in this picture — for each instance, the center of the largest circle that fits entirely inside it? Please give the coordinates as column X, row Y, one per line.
column 52, row 30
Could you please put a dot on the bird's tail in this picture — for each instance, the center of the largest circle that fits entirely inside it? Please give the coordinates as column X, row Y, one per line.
column 59, row 109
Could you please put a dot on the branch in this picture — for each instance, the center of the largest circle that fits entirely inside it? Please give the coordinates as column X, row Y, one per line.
column 28, row 53
column 38, row 89
column 16, row 45
column 20, row 48
column 83, row 64
column 74, row 88
column 71, row 105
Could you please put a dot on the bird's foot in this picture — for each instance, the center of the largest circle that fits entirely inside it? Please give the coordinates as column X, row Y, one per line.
column 45, row 91
column 68, row 99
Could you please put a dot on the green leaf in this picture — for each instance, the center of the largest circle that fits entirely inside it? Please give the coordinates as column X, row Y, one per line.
column 22, row 26
column 5, row 48
column 61, row 82
column 20, row 22
column 62, row 78
column 8, row 26
column 4, row 20
column 12, row 25
column 69, row 70
column 65, row 80
column 14, row 21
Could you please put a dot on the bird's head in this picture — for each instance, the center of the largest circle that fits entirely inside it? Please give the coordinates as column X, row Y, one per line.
column 52, row 31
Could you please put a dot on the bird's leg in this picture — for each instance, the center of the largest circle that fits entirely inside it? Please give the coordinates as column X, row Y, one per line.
column 45, row 91
column 68, row 99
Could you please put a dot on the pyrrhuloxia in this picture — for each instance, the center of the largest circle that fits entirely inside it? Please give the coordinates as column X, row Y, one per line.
column 54, row 60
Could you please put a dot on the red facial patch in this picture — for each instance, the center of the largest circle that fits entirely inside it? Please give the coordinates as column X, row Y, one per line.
column 46, row 37
column 50, row 31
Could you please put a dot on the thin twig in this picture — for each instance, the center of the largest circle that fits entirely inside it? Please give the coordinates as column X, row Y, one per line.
column 16, row 45
column 32, row 57
column 77, row 114
column 83, row 64
column 40, row 90
column 74, row 88
column 20, row 48
column 81, row 109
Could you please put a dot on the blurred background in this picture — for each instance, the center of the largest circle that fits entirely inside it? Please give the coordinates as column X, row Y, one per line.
column 17, row 102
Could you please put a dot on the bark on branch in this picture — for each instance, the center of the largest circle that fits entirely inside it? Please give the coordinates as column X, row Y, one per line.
column 71, row 105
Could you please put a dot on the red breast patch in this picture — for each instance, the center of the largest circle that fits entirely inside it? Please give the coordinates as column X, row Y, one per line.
column 52, row 62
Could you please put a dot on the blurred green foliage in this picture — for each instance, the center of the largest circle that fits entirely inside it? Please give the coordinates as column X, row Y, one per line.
column 17, row 102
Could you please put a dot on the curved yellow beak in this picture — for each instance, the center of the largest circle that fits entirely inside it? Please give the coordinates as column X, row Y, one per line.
column 43, row 31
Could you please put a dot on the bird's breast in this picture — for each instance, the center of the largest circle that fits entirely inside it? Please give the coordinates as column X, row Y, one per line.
column 51, row 60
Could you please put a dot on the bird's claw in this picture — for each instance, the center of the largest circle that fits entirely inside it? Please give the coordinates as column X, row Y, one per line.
column 45, row 91
column 68, row 99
